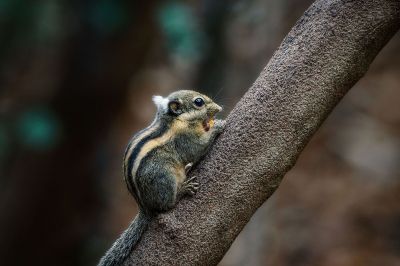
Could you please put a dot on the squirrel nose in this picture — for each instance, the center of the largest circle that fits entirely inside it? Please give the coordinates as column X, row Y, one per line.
column 214, row 108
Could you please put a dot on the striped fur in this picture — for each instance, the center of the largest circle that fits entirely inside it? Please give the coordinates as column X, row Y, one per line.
column 155, row 159
column 143, row 144
column 133, row 149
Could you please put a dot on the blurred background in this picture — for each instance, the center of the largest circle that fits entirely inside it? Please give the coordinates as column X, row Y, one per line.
column 76, row 80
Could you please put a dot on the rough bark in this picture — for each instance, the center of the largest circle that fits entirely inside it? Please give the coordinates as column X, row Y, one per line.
column 328, row 50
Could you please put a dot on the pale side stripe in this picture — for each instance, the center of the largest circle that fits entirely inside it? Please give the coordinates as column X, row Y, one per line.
column 146, row 133
column 151, row 129
column 176, row 127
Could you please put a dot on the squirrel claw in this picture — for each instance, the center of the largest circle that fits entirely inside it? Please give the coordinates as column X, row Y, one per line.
column 188, row 167
column 190, row 187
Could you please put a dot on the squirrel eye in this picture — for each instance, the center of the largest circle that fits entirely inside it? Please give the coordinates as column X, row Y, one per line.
column 199, row 102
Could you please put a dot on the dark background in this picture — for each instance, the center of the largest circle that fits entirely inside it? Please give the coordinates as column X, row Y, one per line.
column 76, row 80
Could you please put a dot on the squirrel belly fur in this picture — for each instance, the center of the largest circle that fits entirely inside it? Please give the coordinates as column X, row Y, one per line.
column 158, row 158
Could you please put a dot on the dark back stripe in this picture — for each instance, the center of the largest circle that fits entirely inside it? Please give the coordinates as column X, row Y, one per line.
column 157, row 133
column 128, row 183
column 127, row 177
column 132, row 140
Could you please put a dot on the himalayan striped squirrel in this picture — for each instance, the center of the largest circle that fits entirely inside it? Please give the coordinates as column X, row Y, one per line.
column 158, row 158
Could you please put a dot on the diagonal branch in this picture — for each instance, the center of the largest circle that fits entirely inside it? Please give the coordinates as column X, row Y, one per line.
column 328, row 50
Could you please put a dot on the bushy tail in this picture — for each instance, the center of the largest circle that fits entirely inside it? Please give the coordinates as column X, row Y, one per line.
column 121, row 248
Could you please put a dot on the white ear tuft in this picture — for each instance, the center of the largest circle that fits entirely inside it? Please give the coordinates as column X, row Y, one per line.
column 161, row 103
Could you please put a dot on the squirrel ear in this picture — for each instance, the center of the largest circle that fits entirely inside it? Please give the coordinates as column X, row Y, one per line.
column 161, row 103
column 174, row 107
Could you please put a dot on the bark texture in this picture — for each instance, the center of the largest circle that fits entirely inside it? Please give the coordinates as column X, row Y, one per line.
column 328, row 50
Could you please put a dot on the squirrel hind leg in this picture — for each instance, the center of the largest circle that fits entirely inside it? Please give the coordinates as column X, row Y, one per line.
column 189, row 187
column 159, row 193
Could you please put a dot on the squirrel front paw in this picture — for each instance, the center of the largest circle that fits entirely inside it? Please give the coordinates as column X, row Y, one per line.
column 219, row 124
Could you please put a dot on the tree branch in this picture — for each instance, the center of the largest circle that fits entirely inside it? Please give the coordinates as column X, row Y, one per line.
column 328, row 50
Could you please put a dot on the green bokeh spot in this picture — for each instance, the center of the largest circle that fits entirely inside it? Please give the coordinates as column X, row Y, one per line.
column 38, row 129
column 48, row 21
column 181, row 30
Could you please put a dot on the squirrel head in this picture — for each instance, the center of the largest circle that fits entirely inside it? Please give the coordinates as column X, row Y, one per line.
column 186, row 105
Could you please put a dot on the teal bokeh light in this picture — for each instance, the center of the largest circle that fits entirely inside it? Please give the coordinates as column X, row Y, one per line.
column 48, row 20
column 38, row 129
column 182, row 31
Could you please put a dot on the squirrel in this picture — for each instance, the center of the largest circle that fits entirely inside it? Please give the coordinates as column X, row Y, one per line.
column 158, row 158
